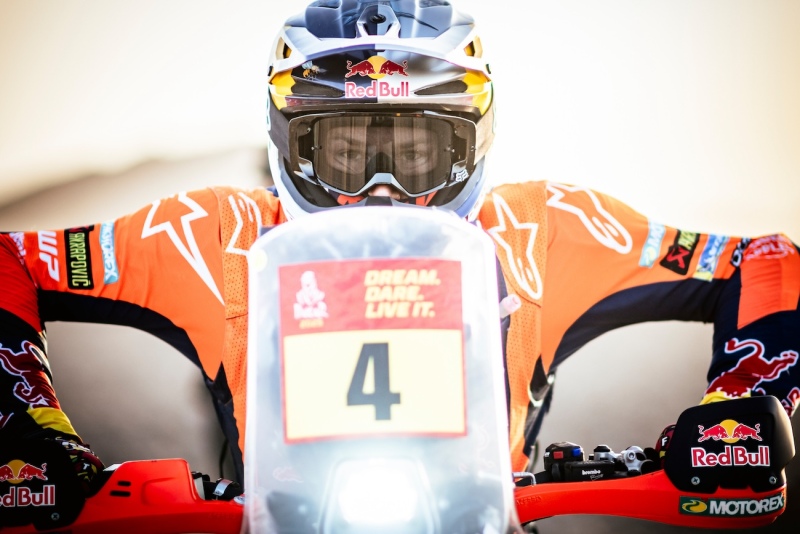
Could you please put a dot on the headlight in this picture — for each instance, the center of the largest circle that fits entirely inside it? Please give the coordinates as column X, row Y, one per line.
column 378, row 495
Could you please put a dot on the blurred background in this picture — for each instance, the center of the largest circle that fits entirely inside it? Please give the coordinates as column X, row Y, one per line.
column 688, row 110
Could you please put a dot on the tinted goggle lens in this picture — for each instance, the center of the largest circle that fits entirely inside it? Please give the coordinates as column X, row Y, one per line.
column 350, row 153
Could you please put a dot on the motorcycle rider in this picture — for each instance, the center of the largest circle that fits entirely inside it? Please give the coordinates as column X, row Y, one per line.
column 394, row 100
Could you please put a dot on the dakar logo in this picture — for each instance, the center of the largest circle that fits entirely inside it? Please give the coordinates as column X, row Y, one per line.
column 310, row 302
column 286, row 474
column 730, row 431
column 376, row 68
column 16, row 471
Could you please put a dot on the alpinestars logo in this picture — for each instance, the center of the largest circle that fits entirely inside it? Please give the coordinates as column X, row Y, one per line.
column 522, row 268
column 188, row 248
column 242, row 206
column 606, row 229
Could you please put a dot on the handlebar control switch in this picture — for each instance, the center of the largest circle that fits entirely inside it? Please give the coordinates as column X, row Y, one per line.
column 604, row 452
column 564, row 462
column 634, row 459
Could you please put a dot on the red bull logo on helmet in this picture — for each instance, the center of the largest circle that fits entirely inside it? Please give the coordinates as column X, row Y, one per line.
column 376, row 67
column 17, row 471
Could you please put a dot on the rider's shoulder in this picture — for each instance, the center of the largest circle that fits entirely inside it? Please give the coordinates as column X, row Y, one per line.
column 517, row 196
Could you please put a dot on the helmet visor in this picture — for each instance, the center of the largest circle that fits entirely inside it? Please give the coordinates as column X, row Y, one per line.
column 349, row 153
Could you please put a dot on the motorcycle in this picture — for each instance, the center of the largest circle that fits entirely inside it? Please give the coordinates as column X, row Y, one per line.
column 376, row 403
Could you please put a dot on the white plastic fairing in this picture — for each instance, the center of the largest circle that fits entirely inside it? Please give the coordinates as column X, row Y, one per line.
column 376, row 398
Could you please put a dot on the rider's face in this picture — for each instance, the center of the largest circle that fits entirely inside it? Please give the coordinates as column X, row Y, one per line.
column 401, row 150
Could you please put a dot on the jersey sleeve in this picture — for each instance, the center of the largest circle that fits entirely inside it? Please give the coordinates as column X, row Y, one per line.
column 28, row 402
column 610, row 266
column 158, row 269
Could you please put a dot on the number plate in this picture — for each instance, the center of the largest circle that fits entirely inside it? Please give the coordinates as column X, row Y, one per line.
column 372, row 347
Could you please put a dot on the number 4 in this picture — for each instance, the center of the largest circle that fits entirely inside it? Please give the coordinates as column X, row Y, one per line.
column 382, row 397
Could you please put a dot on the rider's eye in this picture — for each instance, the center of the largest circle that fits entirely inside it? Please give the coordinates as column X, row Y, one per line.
column 412, row 156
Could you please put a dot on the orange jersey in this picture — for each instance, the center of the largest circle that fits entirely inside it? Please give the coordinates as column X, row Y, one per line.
column 581, row 262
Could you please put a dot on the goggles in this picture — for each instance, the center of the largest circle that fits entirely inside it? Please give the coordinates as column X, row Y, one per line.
column 349, row 153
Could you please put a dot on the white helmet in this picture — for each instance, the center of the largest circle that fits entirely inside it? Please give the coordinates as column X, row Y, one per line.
column 366, row 92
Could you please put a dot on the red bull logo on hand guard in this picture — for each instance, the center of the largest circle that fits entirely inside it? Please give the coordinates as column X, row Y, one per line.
column 17, row 471
column 376, row 67
column 730, row 431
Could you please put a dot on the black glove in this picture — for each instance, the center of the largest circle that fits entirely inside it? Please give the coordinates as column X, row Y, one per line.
column 85, row 462
column 663, row 443
column 42, row 458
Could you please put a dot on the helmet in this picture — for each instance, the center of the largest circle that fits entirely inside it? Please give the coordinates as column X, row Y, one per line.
column 366, row 92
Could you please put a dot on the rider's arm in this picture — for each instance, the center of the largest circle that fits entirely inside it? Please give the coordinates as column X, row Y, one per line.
column 610, row 266
column 29, row 408
column 27, row 399
column 757, row 325
column 175, row 269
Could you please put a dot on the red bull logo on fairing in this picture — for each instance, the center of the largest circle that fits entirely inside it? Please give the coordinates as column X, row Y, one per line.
column 376, row 67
